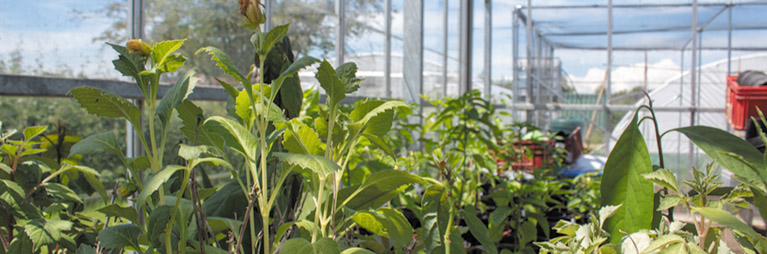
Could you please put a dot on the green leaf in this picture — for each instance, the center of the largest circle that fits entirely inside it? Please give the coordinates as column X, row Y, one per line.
column 662, row 242
column 622, row 183
column 478, row 229
column 669, row 202
column 120, row 236
column 397, row 226
column 727, row 219
column 223, row 62
column 195, row 152
column 328, row 80
column 711, row 141
column 375, row 140
column 356, row 250
column 155, row 182
column 299, row 64
column 61, row 192
column 128, row 64
column 317, row 164
column 296, row 245
column 46, row 232
column 226, row 202
column 96, row 143
column 177, row 94
column 163, row 57
column 325, row 246
column 347, row 72
column 371, row 221
column 272, row 37
column 32, row 132
column 301, row 139
column 86, row 249
column 115, row 210
column 496, row 223
column 11, row 193
column 106, row 104
column 21, row 244
column 158, row 221
column 665, row 178
column 375, row 116
column 236, row 136
column 607, row 212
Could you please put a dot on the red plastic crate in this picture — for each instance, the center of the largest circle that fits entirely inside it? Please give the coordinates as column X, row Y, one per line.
column 742, row 102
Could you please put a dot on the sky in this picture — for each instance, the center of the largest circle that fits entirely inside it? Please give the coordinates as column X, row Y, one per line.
column 52, row 35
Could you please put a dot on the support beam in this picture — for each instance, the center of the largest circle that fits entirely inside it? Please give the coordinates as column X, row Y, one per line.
column 529, row 65
column 488, row 48
column 464, row 45
column 515, row 60
column 445, row 5
column 387, row 50
column 608, row 83
column 340, row 31
column 412, row 65
column 693, row 71
column 729, row 42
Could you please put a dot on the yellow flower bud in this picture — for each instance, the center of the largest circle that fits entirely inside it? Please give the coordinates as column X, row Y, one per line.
column 251, row 11
column 138, row 47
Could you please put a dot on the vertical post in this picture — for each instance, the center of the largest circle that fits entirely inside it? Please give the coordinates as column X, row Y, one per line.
column 412, row 61
column 608, row 84
column 444, row 47
column 729, row 41
column 529, row 65
column 693, row 71
column 681, row 103
column 644, row 86
column 132, row 141
column 340, row 31
column 464, row 44
column 387, row 51
column 515, row 61
column 268, row 11
column 488, row 48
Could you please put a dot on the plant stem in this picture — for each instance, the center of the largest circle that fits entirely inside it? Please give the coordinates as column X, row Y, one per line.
column 317, row 208
column 169, row 227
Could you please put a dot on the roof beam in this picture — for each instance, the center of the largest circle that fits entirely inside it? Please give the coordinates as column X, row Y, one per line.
column 634, row 6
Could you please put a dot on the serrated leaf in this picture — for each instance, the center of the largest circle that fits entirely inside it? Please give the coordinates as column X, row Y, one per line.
column 272, row 37
column 628, row 160
column 296, row 245
column 662, row 242
column 120, row 236
column 177, row 94
column 62, row 192
column 665, row 178
column 317, row 164
column 375, row 140
column 96, row 143
column 299, row 64
column 115, row 210
column 106, row 104
column 46, row 232
column 329, row 82
column 11, row 193
column 371, row 221
column 607, row 211
column 86, row 249
column 301, row 139
column 669, row 202
column 347, row 72
column 163, row 57
column 235, row 135
column 158, row 221
column 478, row 229
column 155, row 182
column 325, row 246
column 223, row 62
column 195, row 152
column 33, row 131
column 128, row 64
column 375, row 116
column 356, row 250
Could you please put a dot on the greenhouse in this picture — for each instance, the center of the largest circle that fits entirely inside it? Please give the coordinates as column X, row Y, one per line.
column 383, row 126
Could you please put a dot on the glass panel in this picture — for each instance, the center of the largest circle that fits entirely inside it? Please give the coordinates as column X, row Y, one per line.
column 61, row 38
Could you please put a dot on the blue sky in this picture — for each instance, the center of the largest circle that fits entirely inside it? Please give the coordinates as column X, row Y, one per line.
column 49, row 34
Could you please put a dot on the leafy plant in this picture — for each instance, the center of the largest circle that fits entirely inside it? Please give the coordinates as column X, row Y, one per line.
column 587, row 238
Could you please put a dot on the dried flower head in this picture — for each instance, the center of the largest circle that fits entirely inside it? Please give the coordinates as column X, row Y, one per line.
column 138, row 47
column 251, row 11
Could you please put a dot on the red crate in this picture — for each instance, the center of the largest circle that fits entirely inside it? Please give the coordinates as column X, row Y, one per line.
column 742, row 102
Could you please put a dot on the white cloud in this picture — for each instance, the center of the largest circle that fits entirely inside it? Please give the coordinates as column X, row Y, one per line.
column 627, row 77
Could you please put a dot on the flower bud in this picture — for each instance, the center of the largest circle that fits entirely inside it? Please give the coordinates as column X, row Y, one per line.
column 138, row 47
column 251, row 11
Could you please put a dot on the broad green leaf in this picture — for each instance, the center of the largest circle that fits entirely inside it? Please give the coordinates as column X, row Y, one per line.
column 356, row 250
column 106, row 104
column 496, row 223
column 230, row 90
column 155, row 182
column 195, row 152
column 5, row 168
column 61, row 192
column 607, row 212
column 371, row 221
column 296, row 245
column 11, row 193
column 368, row 198
column 727, row 219
column 86, row 249
column 662, row 242
column 223, row 62
column 328, row 80
column 115, row 210
column 711, row 141
column 235, row 135
column 158, row 221
column 21, row 244
column 46, row 232
column 317, row 164
column 226, row 202
column 284, row 228
column 325, row 246
column 272, row 37
column 301, row 139
column 347, row 72
column 375, row 116
column 375, row 140
column 299, row 64
column 177, row 94
column 665, row 178
column 478, row 229
column 120, row 236
column 96, row 143
column 163, row 57
column 291, row 96
column 622, row 183
column 397, row 226
column 128, row 64
column 32, row 131
column 244, row 108
column 391, row 179
column 220, row 224
column 192, row 119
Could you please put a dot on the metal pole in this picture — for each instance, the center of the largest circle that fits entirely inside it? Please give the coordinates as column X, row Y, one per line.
column 340, row 31
column 488, row 47
column 444, row 47
column 693, row 71
column 644, row 86
column 729, row 41
column 387, row 51
column 132, row 141
column 268, row 10
column 515, row 59
column 466, row 10
column 529, row 64
column 608, row 84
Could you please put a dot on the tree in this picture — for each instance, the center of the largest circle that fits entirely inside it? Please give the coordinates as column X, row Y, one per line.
column 218, row 23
